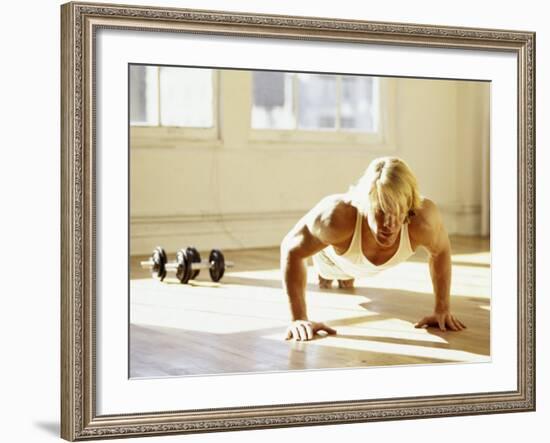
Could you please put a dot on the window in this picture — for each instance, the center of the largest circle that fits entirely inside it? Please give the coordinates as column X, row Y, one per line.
column 184, row 107
column 315, row 102
column 172, row 97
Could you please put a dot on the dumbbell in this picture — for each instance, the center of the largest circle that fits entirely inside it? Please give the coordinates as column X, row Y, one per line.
column 157, row 263
column 188, row 265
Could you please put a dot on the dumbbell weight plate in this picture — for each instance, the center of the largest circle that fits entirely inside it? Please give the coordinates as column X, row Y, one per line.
column 183, row 272
column 217, row 267
column 159, row 263
column 194, row 257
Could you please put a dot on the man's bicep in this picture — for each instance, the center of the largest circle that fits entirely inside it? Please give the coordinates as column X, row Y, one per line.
column 317, row 229
column 439, row 243
column 305, row 238
column 432, row 233
column 442, row 244
column 301, row 242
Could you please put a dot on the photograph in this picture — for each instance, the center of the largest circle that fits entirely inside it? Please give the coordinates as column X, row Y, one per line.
column 278, row 221
column 297, row 221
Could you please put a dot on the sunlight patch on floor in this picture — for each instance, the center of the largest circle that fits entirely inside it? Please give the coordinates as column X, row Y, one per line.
column 231, row 309
column 347, row 338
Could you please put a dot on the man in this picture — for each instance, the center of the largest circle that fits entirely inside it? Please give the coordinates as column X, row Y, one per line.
column 377, row 224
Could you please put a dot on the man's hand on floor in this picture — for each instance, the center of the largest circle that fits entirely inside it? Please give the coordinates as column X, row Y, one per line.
column 443, row 320
column 304, row 330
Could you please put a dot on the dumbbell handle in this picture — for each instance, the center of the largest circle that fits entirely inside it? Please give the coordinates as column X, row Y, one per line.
column 196, row 265
column 147, row 264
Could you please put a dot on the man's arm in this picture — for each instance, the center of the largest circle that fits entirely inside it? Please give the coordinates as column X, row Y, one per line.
column 296, row 247
column 440, row 270
column 436, row 241
column 315, row 231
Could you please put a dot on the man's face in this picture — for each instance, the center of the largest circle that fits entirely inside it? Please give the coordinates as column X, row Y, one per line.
column 385, row 227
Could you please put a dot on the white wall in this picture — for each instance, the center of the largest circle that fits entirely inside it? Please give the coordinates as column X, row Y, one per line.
column 29, row 180
column 236, row 192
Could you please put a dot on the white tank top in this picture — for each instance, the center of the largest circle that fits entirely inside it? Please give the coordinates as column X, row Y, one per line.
column 355, row 264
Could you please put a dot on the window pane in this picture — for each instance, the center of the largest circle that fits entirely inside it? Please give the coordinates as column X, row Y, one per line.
column 272, row 101
column 143, row 95
column 358, row 110
column 316, row 101
column 186, row 97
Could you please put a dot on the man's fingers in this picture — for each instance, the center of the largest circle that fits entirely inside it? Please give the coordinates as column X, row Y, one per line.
column 422, row 323
column 456, row 323
column 288, row 334
column 309, row 331
column 302, row 332
column 443, row 322
column 305, row 331
column 452, row 324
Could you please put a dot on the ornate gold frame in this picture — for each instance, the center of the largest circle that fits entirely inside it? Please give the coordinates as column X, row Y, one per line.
column 80, row 21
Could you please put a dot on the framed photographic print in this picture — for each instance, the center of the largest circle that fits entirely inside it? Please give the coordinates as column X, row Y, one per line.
column 284, row 221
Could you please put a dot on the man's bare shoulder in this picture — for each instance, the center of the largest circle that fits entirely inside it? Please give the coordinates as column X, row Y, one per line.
column 425, row 223
column 333, row 218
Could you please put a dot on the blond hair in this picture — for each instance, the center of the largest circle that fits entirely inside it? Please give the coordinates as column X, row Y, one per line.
column 388, row 184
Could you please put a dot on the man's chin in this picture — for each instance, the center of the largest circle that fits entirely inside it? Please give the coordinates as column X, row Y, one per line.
column 385, row 241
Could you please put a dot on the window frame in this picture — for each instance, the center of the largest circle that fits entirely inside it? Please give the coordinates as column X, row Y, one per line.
column 166, row 136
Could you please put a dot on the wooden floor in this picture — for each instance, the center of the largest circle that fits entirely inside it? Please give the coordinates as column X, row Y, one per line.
column 238, row 325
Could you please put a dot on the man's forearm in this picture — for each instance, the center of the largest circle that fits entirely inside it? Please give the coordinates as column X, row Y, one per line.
column 294, row 282
column 440, row 272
